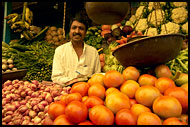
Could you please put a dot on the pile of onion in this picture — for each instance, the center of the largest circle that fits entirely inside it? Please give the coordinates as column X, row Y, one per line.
column 26, row 103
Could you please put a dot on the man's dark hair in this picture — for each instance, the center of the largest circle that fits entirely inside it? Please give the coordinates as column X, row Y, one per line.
column 78, row 17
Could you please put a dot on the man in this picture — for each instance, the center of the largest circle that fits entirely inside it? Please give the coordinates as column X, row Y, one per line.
column 75, row 61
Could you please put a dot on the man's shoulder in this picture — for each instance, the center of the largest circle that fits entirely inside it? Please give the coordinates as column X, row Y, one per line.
column 62, row 46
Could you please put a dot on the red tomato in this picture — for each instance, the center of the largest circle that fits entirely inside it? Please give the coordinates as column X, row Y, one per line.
column 132, row 102
column 92, row 101
column 147, row 79
column 87, row 122
column 101, row 115
column 163, row 71
column 55, row 109
column 131, row 73
column 76, row 112
column 73, row 97
column 80, row 87
column 125, row 117
column 97, row 90
column 62, row 120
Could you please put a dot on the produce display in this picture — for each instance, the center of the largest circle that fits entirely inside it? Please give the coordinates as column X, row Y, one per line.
column 55, row 35
column 119, row 99
column 118, row 95
column 26, row 103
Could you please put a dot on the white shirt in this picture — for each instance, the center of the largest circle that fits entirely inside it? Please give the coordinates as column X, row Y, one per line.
column 66, row 63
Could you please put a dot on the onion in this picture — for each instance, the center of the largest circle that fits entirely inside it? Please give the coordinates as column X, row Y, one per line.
column 7, row 83
column 35, row 82
column 28, row 105
column 37, row 120
column 27, row 117
column 27, row 97
column 7, row 119
column 29, row 93
column 41, row 107
column 57, row 98
column 34, row 102
column 4, row 123
column 48, row 98
column 22, row 108
column 35, row 94
column 47, row 121
column 4, row 111
column 16, row 103
column 25, row 122
column 41, row 115
column 23, row 102
column 32, row 113
column 36, row 108
column 26, row 83
column 26, row 113
column 46, row 109
column 33, row 86
column 15, row 81
column 17, row 122
column 23, row 94
column 11, row 108
column 10, row 123
column 47, row 89
column 8, row 113
column 44, row 103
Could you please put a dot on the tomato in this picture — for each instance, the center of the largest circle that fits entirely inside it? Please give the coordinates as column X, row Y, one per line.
column 96, row 78
column 164, row 83
column 113, row 79
column 163, row 71
column 87, row 122
column 76, row 112
column 125, row 117
column 62, row 98
column 173, row 121
column 129, row 88
column 110, row 90
column 167, row 106
column 97, row 90
column 132, row 102
column 116, row 101
column 101, row 115
column 148, row 118
column 62, row 120
column 84, row 98
column 55, row 109
column 180, row 94
column 131, row 73
column 80, row 87
column 73, row 97
column 93, row 101
column 147, row 79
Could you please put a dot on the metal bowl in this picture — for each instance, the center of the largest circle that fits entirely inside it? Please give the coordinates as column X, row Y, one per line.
column 19, row 74
column 149, row 51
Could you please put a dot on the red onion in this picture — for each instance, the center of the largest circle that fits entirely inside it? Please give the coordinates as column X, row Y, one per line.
column 48, row 98
column 21, row 82
column 36, row 120
column 22, row 108
column 17, row 122
column 26, row 113
column 16, row 103
column 44, row 103
column 31, row 123
column 41, row 115
column 7, row 119
column 11, row 108
column 47, row 89
column 25, row 122
column 29, row 93
column 8, row 113
column 16, row 85
column 35, row 82
column 33, row 86
column 34, row 102
column 32, row 113
column 28, row 105
column 10, row 123
column 15, row 81
column 35, row 94
column 41, row 107
column 36, row 108
column 46, row 109
column 23, row 102
column 27, row 117
column 7, row 83
column 23, row 94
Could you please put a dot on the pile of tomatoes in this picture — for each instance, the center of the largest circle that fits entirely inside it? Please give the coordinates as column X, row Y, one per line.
column 129, row 98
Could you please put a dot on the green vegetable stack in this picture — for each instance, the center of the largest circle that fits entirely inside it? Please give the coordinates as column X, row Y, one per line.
column 180, row 63
column 111, row 63
column 93, row 37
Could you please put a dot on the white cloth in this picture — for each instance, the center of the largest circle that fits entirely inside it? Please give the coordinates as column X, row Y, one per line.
column 66, row 63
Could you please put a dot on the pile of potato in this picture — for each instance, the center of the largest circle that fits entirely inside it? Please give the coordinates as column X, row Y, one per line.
column 55, row 35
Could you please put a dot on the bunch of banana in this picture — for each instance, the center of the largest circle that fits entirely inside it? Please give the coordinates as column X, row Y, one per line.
column 21, row 22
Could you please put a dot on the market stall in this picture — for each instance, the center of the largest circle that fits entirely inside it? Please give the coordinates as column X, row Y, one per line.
column 144, row 68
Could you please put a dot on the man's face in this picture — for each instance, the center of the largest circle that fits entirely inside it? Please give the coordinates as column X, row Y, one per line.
column 77, row 31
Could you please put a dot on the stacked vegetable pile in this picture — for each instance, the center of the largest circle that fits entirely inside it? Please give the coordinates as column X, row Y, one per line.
column 171, row 18
column 93, row 37
column 26, row 103
column 55, row 35
column 37, row 58
column 127, row 98
column 8, row 65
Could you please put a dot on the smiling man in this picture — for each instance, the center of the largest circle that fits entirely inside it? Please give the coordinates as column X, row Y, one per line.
column 75, row 61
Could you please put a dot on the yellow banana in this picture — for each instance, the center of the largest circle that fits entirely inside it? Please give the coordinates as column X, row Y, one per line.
column 14, row 19
column 31, row 16
column 11, row 16
column 26, row 35
column 27, row 25
column 27, row 15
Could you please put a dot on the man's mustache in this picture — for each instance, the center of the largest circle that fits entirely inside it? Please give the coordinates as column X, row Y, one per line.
column 77, row 34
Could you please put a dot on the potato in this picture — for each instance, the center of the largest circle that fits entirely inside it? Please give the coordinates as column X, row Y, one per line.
column 53, row 28
column 48, row 32
column 60, row 31
column 54, row 33
column 55, row 38
column 60, row 37
column 49, row 37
